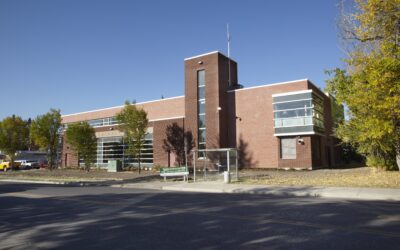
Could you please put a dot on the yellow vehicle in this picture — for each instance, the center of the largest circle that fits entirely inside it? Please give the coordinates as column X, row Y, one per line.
column 5, row 165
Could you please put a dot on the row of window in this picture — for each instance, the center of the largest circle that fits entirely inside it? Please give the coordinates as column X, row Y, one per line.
column 293, row 104
column 302, row 110
column 99, row 122
column 114, row 148
column 103, row 122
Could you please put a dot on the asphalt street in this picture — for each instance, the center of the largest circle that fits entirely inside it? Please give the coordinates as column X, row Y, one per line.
column 61, row 217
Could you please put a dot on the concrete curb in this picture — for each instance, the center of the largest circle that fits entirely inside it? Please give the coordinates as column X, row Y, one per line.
column 298, row 191
column 309, row 191
column 200, row 190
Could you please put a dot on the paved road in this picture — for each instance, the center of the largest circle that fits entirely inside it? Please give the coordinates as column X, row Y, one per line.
column 59, row 217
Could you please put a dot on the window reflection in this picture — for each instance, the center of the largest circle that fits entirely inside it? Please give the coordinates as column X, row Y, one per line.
column 292, row 112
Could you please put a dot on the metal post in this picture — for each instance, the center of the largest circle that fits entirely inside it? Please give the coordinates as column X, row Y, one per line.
column 194, row 166
column 229, row 55
column 228, row 163
column 123, row 154
column 185, row 143
column 205, row 165
column 237, row 166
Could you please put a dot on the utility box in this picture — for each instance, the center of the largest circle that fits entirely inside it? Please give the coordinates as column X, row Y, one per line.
column 227, row 177
column 114, row 166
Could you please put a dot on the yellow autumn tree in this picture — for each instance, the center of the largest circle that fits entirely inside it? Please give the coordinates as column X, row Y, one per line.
column 370, row 84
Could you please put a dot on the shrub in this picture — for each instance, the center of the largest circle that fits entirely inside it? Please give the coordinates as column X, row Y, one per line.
column 156, row 168
column 387, row 163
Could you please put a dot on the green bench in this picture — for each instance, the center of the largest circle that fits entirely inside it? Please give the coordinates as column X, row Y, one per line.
column 176, row 171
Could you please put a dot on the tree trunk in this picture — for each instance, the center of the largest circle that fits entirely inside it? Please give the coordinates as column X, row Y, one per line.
column 12, row 163
column 398, row 160
column 398, row 155
column 139, row 162
column 49, row 160
column 87, row 166
column 398, row 145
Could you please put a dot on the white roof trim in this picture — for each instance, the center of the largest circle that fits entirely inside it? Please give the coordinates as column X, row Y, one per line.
column 269, row 85
column 169, row 118
column 90, row 111
column 293, row 93
column 120, row 106
column 206, row 54
column 298, row 133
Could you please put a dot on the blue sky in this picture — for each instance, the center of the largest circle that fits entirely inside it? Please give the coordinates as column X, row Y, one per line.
column 83, row 55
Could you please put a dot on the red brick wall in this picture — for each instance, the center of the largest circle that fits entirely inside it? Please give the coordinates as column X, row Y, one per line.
column 68, row 157
column 251, row 126
column 216, row 78
column 224, row 113
column 160, row 156
column 254, row 126
column 158, row 109
column 159, row 128
column 245, row 120
column 303, row 154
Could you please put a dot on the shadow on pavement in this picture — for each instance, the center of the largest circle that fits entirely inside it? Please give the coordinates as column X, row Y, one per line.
column 167, row 220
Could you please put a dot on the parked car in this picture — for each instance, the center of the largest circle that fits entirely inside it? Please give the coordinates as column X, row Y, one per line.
column 5, row 165
column 28, row 164
column 42, row 163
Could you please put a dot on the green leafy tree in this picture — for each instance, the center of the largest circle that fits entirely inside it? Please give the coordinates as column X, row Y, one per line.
column 45, row 132
column 133, row 122
column 14, row 136
column 175, row 141
column 370, row 84
column 81, row 136
column 31, row 144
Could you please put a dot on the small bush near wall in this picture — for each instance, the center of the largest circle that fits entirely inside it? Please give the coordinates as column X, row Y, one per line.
column 156, row 168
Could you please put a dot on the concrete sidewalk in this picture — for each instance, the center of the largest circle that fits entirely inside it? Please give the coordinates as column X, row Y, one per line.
column 299, row 191
column 392, row 194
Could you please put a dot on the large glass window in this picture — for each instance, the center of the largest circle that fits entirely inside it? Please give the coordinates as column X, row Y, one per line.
column 202, row 135
column 201, row 78
column 201, row 104
column 202, row 120
column 318, row 117
column 202, row 92
column 293, row 113
column 293, row 105
column 113, row 148
column 103, row 122
column 202, row 107
column 298, row 113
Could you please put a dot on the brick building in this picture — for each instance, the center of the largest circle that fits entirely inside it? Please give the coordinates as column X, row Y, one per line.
column 281, row 125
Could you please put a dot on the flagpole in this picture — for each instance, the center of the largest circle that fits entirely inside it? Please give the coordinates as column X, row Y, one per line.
column 229, row 54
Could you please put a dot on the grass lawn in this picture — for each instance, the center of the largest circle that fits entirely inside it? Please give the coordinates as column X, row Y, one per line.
column 75, row 175
column 354, row 177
